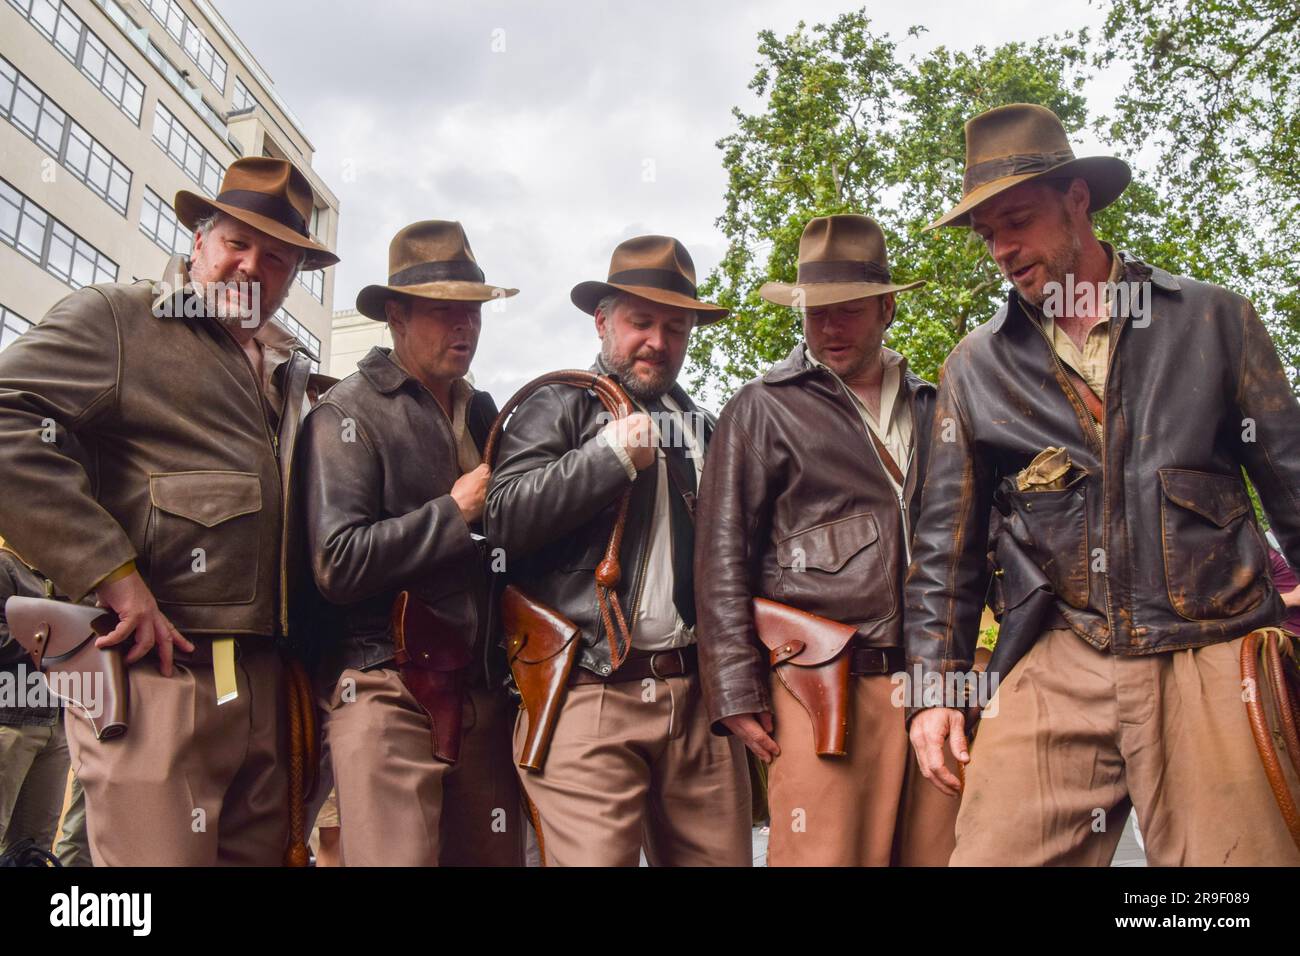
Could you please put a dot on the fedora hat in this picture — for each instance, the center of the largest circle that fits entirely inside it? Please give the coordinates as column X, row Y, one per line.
column 271, row 195
column 841, row 258
column 657, row 268
column 1013, row 144
column 430, row 259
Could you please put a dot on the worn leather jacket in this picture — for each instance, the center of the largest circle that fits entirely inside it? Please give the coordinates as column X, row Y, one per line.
column 553, row 501
column 1152, row 545
column 795, row 506
column 187, row 463
column 378, row 461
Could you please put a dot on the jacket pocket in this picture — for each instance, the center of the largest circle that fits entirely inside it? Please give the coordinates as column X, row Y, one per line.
column 837, row 569
column 1215, row 563
column 1052, row 526
column 203, row 538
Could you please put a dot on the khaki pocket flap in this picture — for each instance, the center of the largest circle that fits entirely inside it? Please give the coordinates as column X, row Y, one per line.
column 206, row 497
column 828, row 547
column 1220, row 499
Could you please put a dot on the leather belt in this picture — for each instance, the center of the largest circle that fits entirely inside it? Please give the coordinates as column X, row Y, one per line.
column 876, row 660
column 642, row 664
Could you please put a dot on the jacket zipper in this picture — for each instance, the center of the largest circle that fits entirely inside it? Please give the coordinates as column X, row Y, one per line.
column 1101, row 448
column 274, row 442
column 898, row 494
column 286, row 484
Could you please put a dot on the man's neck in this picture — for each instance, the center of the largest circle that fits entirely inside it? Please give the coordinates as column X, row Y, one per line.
column 866, row 381
column 439, row 388
column 1094, row 269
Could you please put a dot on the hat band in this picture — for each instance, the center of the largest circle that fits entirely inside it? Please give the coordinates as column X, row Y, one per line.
column 842, row 270
column 1017, row 164
column 665, row 279
column 265, row 204
column 452, row 270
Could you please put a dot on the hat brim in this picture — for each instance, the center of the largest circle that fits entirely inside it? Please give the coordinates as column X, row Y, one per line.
column 587, row 295
column 1107, row 177
column 191, row 207
column 371, row 299
column 811, row 295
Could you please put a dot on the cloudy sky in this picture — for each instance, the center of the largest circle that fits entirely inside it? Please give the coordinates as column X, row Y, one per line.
column 552, row 130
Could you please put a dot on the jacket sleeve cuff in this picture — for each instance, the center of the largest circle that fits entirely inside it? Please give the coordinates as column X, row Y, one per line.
column 620, row 453
column 124, row 571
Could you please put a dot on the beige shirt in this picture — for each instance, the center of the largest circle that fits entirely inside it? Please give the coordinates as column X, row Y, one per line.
column 1091, row 361
column 467, row 453
column 894, row 426
column 658, row 626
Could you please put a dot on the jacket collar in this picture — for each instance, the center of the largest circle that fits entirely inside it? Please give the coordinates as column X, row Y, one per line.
column 176, row 278
column 676, row 392
column 1135, row 270
column 797, row 365
column 382, row 371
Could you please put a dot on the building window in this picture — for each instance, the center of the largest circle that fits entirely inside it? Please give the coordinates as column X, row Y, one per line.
column 25, row 106
column 85, row 50
column 301, row 333
column 186, row 151
column 12, row 325
column 159, row 223
column 49, row 243
column 243, row 99
column 313, row 280
column 186, row 32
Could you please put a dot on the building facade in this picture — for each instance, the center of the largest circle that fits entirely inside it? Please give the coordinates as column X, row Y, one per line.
column 353, row 336
column 107, row 109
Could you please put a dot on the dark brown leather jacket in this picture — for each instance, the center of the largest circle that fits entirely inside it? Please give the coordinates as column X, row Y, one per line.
column 552, row 505
column 1153, row 545
column 176, row 424
column 378, row 461
column 795, row 506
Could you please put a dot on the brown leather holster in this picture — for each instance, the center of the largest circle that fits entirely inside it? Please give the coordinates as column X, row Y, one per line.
column 542, row 646
column 60, row 639
column 432, row 660
column 810, row 656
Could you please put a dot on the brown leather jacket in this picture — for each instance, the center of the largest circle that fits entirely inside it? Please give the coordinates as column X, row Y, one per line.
column 553, row 501
column 795, row 506
column 377, row 464
column 1153, row 544
column 189, row 471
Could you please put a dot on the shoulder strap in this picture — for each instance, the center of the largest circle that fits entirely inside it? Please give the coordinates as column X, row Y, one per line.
column 1086, row 395
column 609, row 572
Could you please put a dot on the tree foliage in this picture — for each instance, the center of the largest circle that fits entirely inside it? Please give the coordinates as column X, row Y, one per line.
column 847, row 124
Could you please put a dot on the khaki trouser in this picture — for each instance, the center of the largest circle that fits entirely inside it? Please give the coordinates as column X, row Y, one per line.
column 1080, row 736
column 861, row 809
column 33, row 774
column 400, row 806
column 73, row 847
column 190, row 783
column 634, row 765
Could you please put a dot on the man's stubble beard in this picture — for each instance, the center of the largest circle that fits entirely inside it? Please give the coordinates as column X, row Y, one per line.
column 1064, row 261
column 638, row 388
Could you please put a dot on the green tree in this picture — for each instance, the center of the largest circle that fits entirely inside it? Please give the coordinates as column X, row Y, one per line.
column 848, row 125
column 1214, row 99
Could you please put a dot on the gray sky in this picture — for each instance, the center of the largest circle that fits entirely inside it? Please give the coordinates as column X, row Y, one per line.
column 551, row 130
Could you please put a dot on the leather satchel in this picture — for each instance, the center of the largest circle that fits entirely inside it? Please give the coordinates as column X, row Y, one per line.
column 541, row 643
column 59, row 637
column 809, row 655
column 432, row 660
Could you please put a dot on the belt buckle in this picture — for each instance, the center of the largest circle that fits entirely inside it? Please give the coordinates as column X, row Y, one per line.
column 654, row 665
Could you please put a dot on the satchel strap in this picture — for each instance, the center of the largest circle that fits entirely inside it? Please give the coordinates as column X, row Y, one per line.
column 609, row 572
column 1086, row 395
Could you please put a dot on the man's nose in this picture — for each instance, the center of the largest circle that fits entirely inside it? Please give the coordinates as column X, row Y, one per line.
column 1004, row 249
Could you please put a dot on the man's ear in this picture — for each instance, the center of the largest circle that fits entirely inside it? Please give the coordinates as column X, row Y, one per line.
column 396, row 313
column 889, row 303
column 601, row 323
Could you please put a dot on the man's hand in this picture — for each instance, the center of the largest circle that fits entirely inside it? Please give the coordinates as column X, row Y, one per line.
column 929, row 730
column 134, row 604
column 636, row 436
column 470, row 492
column 1292, row 597
column 755, row 730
